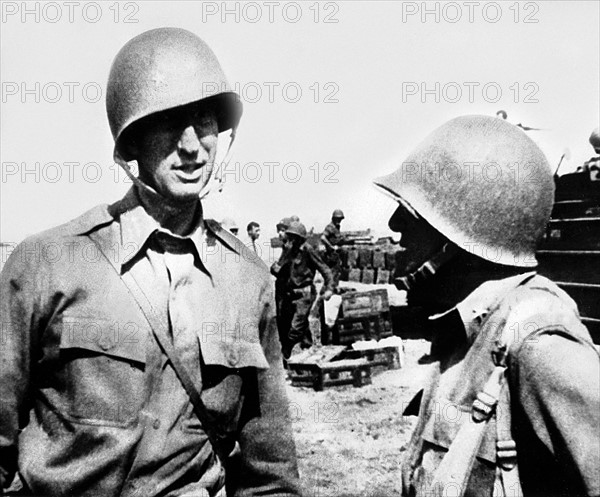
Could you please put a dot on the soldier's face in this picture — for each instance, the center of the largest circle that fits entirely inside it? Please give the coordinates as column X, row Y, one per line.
column 176, row 152
column 254, row 232
column 419, row 239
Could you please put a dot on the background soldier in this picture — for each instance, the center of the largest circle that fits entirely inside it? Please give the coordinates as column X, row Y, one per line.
column 230, row 225
column 296, row 271
column 124, row 374
column 332, row 238
column 281, row 277
column 515, row 378
column 253, row 230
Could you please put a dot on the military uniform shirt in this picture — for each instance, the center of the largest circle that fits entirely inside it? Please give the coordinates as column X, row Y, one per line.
column 106, row 412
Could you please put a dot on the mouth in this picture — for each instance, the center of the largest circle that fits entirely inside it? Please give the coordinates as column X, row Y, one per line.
column 191, row 172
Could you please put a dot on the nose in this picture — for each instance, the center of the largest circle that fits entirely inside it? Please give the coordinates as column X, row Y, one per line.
column 397, row 221
column 189, row 142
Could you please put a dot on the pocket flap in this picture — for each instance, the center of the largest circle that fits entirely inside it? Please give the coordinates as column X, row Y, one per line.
column 240, row 355
column 121, row 340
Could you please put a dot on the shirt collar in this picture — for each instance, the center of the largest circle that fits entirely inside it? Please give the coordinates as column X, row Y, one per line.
column 477, row 305
column 137, row 226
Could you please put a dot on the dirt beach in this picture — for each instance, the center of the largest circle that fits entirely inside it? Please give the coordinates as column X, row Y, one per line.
column 350, row 440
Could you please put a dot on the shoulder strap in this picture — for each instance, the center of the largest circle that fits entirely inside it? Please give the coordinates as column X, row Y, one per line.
column 218, row 441
column 456, row 466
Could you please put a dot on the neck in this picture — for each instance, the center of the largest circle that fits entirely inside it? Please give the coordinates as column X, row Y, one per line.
column 180, row 218
column 454, row 281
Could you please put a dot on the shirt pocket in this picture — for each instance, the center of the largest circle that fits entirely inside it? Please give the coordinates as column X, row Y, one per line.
column 104, row 363
column 230, row 394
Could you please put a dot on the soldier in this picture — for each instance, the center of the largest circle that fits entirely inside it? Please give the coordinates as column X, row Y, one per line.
column 253, row 231
column 280, row 276
column 593, row 165
column 230, row 225
column 124, row 370
column 282, row 226
column 296, row 271
column 332, row 238
column 513, row 403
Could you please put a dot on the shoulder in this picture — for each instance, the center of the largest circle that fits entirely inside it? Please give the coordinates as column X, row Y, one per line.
column 248, row 258
column 47, row 244
column 329, row 229
column 539, row 315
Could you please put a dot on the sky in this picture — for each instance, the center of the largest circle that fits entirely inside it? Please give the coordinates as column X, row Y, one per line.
column 335, row 94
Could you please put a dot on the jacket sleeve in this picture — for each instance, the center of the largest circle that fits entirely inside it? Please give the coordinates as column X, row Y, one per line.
column 559, row 389
column 317, row 264
column 18, row 303
column 268, row 454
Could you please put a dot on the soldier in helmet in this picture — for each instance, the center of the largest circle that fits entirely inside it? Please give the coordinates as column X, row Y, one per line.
column 280, row 276
column 125, row 372
column 295, row 272
column 230, row 225
column 512, row 406
column 593, row 165
column 332, row 238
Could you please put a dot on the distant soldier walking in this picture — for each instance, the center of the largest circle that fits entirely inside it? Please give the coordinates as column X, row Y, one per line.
column 332, row 238
column 296, row 271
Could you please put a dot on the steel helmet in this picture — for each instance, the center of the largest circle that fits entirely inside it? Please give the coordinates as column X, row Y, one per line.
column 482, row 183
column 297, row 228
column 162, row 69
column 337, row 214
column 595, row 138
column 283, row 224
column 229, row 224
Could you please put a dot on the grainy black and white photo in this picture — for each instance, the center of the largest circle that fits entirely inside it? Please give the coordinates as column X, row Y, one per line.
column 300, row 248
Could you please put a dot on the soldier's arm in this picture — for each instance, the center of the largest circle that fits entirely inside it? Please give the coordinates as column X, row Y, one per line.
column 19, row 292
column 317, row 264
column 325, row 238
column 559, row 391
column 268, row 452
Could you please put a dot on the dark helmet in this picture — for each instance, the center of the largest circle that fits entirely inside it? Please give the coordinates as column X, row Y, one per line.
column 595, row 139
column 283, row 224
column 297, row 229
column 229, row 224
column 163, row 69
column 482, row 183
column 337, row 214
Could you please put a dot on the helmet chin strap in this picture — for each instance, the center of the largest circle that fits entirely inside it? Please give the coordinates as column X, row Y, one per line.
column 214, row 183
column 428, row 269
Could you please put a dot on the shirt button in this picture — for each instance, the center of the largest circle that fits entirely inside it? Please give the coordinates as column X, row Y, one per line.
column 233, row 357
column 156, row 424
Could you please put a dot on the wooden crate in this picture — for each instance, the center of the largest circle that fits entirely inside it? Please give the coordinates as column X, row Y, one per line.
column 368, row 276
column 383, row 277
column 378, row 259
column 352, row 330
column 364, row 304
column 356, row 372
column 388, row 357
column 322, row 367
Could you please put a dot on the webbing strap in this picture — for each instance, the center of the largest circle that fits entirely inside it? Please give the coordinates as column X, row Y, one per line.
column 160, row 331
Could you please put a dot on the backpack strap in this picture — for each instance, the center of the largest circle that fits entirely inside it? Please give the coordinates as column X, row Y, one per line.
column 455, row 469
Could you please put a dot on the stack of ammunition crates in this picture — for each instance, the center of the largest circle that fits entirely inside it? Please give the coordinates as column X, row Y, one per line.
column 570, row 251
column 363, row 316
column 370, row 263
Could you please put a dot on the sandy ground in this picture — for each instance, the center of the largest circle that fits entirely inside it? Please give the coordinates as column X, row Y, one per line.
column 350, row 440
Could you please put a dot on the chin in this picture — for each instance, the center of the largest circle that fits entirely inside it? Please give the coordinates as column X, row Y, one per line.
column 183, row 195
